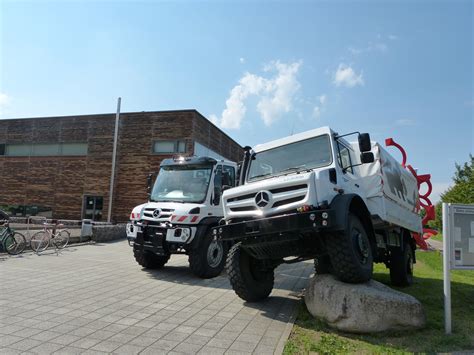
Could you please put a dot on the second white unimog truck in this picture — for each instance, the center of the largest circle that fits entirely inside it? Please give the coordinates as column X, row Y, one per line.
column 184, row 203
column 316, row 196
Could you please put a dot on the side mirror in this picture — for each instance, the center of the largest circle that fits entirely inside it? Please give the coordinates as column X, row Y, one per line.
column 364, row 142
column 367, row 157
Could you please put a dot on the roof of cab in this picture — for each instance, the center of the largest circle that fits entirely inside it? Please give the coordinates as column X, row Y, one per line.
column 293, row 138
column 194, row 160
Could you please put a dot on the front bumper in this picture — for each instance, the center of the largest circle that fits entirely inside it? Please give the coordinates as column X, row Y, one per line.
column 294, row 223
column 160, row 239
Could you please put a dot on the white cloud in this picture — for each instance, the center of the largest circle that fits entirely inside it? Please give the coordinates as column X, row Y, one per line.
column 318, row 108
column 4, row 99
column 346, row 76
column 4, row 102
column 379, row 45
column 438, row 189
column 405, row 122
column 316, row 112
column 323, row 99
column 275, row 95
column 242, row 60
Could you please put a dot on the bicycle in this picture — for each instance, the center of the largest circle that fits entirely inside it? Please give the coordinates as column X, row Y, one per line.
column 12, row 242
column 40, row 241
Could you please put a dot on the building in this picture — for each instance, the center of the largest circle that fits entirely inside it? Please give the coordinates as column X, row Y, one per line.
column 61, row 166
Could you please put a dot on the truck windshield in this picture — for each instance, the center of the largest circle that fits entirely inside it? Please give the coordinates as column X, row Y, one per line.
column 307, row 154
column 188, row 183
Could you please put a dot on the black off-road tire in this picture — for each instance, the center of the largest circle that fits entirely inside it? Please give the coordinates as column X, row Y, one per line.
column 350, row 252
column 248, row 281
column 401, row 266
column 208, row 260
column 148, row 259
column 322, row 265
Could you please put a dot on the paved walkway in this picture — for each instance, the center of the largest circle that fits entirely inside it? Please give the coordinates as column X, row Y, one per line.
column 95, row 299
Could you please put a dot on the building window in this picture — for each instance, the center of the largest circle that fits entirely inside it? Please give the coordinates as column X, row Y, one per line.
column 44, row 149
column 2, row 149
column 169, row 147
column 18, row 150
column 74, row 149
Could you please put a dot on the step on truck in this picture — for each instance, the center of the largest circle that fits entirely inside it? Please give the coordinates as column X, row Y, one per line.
column 184, row 204
column 314, row 195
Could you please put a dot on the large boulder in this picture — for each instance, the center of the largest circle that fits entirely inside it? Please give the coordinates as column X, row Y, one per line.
column 362, row 308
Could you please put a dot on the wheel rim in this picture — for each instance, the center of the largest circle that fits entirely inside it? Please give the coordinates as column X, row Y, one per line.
column 362, row 245
column 11, row 245
column 61, row 240
column 19, row 243
column 39, row 242
column 215, row 253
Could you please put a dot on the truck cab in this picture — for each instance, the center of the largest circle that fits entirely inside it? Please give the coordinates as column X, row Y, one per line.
column 184, row 203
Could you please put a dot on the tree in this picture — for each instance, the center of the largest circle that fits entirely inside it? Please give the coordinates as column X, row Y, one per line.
column 461, row 192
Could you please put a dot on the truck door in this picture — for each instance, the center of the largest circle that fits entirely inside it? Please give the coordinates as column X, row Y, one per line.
column 346, row 161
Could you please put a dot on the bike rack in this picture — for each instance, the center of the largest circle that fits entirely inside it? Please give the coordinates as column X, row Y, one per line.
column 30, row 221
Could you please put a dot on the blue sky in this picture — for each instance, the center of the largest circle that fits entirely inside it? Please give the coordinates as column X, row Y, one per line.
column 260, row 70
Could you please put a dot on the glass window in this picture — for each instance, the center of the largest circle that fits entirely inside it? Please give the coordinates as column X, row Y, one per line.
column 345, row 158
column 169, row 147
column 45, row 149
column 19, row 149
column 298, row 156
column 74, row 149
column 2, row 149
column 181, row 147
column 231, row 171
column 218, row 185
column 182, row 183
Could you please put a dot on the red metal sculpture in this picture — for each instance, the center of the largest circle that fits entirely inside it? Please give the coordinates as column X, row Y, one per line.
column 423, row 199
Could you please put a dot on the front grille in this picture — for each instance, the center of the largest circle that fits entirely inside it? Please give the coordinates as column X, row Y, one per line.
column 282, row 196
column 288, row 201
column 245, row 208
column 243, row 197
column 288, row 188
column 165, row 213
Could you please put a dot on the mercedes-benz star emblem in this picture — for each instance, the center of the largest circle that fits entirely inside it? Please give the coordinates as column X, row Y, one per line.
column 262, row 198
column 156, row 213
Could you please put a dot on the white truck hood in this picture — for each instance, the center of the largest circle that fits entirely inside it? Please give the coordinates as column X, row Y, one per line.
column 270, row 196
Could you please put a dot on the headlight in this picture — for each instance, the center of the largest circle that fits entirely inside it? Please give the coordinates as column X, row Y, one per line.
column 186, row 233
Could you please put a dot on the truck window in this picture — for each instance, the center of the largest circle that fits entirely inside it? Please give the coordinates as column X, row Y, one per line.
column 187, row 183
column 345, row 158
column 231, row 171
column 307, row 154
column 218, row 185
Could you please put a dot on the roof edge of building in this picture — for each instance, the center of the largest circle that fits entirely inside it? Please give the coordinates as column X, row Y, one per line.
column 212, row 124
column 95, row 114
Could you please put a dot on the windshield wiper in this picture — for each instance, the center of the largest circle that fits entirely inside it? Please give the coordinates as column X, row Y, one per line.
column 293, row 168
column 261, row 175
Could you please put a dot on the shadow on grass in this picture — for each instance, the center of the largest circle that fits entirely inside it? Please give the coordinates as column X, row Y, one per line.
column 429, row 291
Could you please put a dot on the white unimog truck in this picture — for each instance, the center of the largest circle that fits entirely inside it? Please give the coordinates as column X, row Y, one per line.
column 184, row 203
column 316, row 196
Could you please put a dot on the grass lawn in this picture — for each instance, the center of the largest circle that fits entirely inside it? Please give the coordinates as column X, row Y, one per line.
column 312, row 335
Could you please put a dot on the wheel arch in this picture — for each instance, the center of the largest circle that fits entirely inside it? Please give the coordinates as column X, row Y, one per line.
column 352, row 203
